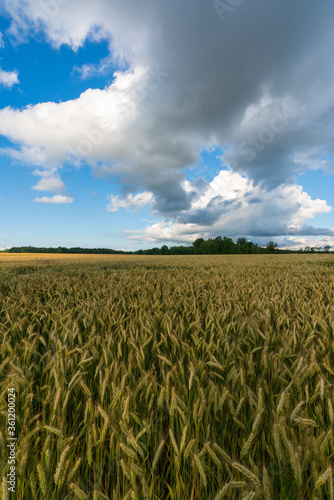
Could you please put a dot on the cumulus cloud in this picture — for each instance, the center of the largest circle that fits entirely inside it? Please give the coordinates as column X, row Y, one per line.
column 297, row 243
column 233, row 205
column 8, row 78
column 57, row 199
column 37, row 156
column 49, row 184
column 130, row 202
column 258, row 84
column 34, row 155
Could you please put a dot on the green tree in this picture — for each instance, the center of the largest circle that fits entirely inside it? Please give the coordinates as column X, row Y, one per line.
column 197, row 245
column 271, row 247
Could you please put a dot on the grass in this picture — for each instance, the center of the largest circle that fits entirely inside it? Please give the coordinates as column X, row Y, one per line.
column 179, row 377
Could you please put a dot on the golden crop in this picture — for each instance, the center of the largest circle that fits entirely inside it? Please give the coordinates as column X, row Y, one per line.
column 181, row 377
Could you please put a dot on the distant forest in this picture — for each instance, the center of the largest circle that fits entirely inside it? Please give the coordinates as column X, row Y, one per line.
column 212, row 246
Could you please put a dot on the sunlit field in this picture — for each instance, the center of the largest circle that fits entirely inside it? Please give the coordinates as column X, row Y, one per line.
column 168, row 377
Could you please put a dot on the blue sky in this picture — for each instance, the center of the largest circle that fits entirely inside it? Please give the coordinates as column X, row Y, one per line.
column 128, row 132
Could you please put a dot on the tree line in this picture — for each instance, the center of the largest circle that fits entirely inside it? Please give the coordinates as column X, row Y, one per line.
column 211, row 246
column 29, row 249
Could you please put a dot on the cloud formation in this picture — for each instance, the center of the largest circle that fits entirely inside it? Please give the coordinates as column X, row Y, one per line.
column 56, row 200
column 233, row 205
column 130, row 202
column 256, row 81
column 50, row 184
column 8, row 78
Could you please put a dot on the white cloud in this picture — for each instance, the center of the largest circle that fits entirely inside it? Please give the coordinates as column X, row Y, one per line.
column 90, row 127
column 88, row 70
column 130, row 202
column 32, row 155
column 57, row 199
column 8, row 78
column 296, row 243
column 37, row 156
column 50, row 184
column 232, row 205
column 2, row 43
column 50, row 181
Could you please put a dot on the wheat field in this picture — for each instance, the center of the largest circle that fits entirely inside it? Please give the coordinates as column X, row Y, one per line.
column 193, row 377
